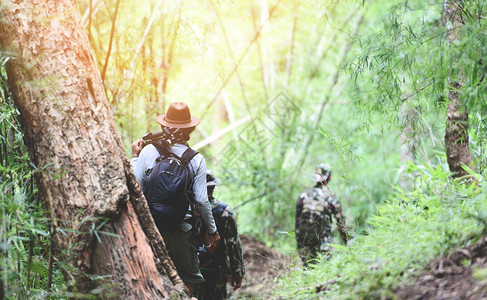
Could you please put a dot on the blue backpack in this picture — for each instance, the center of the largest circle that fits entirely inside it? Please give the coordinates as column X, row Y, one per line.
column 170, row 188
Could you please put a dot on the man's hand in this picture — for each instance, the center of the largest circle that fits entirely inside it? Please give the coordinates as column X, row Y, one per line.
column 236, row 282
column 137, row 147
column 212, row 241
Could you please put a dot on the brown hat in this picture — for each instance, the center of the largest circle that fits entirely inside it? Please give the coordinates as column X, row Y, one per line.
column 178, row 116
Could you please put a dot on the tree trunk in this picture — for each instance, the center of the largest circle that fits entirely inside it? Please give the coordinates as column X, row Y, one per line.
column 84, row 177
column 456, row 133
column 409, row 142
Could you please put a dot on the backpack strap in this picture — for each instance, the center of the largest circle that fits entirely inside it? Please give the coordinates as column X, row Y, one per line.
column 188, row 155
column 185, row 158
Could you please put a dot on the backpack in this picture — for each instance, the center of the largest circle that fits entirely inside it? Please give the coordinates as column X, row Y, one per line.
column 169, row 188
column 315, row 217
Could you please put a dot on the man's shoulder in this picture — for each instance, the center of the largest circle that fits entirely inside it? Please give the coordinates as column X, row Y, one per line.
column 317, row 193
column 149, row 148
column 179, row 149
column 199, row 157
column 329, row 197
column 217, row 203
column 149, row 152
column 322, row 190
column 306, row 193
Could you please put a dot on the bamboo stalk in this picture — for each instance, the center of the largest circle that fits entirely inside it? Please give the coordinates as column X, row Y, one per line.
column 221, row 132
column 291, row 51
column 166, row 62
column 244, row 54
column 50, row 264
column 137, row 51
column 29, row 263
column 230, row 112
column 266, row 46
column 261, row 62
column 230, row 52
column 3, row 232
column 90, row 12
column 19, row 280
column 112, row 33
column 326, row 98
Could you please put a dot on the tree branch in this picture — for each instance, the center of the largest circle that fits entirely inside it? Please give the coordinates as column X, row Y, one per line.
column 418, row 91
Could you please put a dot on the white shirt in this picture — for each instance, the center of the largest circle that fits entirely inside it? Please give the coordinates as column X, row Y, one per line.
column 147, row 160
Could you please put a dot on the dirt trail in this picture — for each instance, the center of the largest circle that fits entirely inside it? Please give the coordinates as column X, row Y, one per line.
column 262, row 265
column 452, row 277
column 460, row 275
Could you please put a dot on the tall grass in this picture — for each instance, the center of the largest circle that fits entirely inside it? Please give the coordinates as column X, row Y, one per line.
column 27, row 269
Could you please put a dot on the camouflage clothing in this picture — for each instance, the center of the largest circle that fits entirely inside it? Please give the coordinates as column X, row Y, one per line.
column 314, row 211
column 226, row 261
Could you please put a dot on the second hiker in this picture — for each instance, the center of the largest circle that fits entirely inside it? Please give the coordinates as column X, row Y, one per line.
column 314, row 211
column 226, row 263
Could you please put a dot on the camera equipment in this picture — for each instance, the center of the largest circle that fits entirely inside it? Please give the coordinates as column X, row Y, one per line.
column 150, row 138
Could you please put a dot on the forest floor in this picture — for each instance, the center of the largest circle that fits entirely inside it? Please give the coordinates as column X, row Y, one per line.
column 461, row 275
column 262, row 266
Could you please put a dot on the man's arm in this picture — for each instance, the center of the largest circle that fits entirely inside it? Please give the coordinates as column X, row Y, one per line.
column 203, row 206
column 138, row 162
column 201, row 198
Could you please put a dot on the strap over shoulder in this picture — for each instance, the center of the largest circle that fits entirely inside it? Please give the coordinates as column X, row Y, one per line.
column 188, row 155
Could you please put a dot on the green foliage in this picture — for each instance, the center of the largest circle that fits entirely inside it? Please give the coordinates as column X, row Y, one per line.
column 407, row 58
column 409, row 230
column 478, row 141
column 24, row 231
column 254, row 165
column 403, row 64
column 232, row 64
column 280, row 65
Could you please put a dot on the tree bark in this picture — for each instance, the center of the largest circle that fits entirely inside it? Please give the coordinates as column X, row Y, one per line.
column 456, row 133
column 83, row 174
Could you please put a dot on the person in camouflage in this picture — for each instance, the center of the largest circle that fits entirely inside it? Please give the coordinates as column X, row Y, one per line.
column 314, row 210
column 226, row 263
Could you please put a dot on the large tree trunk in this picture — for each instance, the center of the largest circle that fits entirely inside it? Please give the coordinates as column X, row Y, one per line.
column 456, row 133
column 84, row 176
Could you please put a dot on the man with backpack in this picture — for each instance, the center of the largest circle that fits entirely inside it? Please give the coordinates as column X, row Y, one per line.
column 226, row 263
column 173, row 179
column 314, row 211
